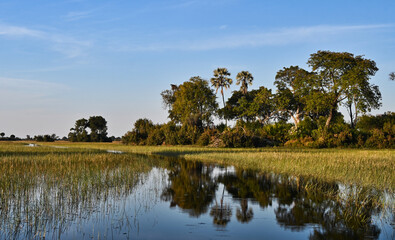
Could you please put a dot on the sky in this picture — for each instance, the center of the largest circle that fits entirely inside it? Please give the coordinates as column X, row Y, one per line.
column 69, row 59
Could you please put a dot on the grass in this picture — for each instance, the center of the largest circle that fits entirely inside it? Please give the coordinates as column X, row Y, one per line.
column 41, row 186
column 367, row 168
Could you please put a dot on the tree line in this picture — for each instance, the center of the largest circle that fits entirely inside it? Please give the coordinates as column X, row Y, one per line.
column 302, row 110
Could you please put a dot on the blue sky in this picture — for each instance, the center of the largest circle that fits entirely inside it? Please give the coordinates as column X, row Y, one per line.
column 64, row 60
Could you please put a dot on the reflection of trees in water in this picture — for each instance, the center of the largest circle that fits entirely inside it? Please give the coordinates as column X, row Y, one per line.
column 221, row 213
column 190, row 187
column 307, row 201
column 244, row 214
column 301, row 201
column 47, row 193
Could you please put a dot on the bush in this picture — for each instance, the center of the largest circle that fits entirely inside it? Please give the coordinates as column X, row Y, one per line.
column 156, row 137
column 170, row 132
column 240, row 137
column 278, row 132
column 207, row 137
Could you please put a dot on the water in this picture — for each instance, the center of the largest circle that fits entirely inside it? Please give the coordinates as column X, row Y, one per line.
column 145, row 198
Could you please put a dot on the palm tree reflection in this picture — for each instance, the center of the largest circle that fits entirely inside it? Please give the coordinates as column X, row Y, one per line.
column 244, row 214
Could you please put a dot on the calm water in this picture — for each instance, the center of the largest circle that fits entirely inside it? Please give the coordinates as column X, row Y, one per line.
column 145, row 198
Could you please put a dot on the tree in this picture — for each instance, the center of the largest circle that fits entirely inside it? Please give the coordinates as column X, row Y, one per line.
column 255, row 105
column 2, row 134
column 98, row 126
column 191, row 103
column 341, row 75
column 292, row 87
column 220, row 80
column 244, row 78
column 79, row 133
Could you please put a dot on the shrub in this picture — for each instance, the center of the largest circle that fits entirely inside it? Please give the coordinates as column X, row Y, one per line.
column 207, row 137
column 156, row 137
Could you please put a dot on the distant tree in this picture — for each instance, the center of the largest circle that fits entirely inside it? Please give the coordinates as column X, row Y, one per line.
column 12, row 137
column 191, row 103
column 244, row 78
column 392, row 76
column 46, row 138
column 79, row 132
column 340, row 76
column 292, row 88
column 98, row 127
column 2, row 134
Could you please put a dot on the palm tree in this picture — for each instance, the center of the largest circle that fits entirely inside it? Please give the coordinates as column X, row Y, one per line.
column 244, row 78
column 220, row 80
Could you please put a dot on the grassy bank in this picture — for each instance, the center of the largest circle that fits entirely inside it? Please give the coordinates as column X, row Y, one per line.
column 369, row 168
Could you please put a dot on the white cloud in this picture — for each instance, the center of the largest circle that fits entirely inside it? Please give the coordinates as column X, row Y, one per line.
column 8, row 30
column 271, row 38
column 66, row 45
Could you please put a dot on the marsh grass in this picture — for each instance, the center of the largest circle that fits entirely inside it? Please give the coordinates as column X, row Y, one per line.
column 43, row 189
column 368, row 168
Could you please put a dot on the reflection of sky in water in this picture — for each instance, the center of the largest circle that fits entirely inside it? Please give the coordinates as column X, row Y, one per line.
column 147, row 214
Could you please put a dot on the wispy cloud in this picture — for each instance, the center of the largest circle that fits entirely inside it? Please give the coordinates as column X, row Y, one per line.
column 263, row 38
column 8, row 30
column 66, row 45
column 74, row 16
column 29, row 91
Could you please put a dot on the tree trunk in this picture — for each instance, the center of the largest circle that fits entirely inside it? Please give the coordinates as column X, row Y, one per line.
column 223, row 101
column 296, row 118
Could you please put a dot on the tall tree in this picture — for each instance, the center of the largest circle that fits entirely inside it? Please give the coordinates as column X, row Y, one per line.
column 341, row 75
column 292, row 87
column 221, row 81
column 79, row 133
column 191, row 103
column 98, row 126
column 244, row 78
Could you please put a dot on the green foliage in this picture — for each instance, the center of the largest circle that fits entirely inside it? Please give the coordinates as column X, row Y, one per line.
column 207, row 137
column 221, row 80
column 253, row 105
column 191, row 103
column 156, row 137
column 241, row 137
column 98, row 130
column 278, row 132
column 339, row 77
column 170, row 131
column 140, row 132
column 244, row 78
column 45, row 138
column 292, row 90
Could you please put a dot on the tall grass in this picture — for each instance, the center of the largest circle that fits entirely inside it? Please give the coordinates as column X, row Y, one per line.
column 368, row 168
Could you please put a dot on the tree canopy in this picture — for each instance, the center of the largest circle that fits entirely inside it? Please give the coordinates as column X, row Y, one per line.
column 191, row 103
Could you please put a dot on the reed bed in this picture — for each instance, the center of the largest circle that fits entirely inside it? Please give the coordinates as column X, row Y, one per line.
column 43, row 189
column 368, row 168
